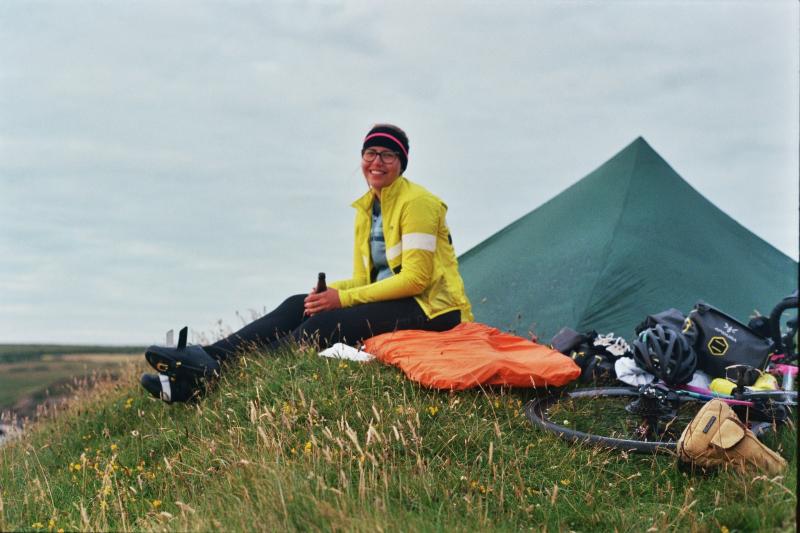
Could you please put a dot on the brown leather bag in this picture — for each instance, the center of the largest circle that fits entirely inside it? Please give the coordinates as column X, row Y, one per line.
column 717, row 437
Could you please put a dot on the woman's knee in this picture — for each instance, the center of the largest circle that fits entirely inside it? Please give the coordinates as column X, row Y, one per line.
column 296, row 300
column 291, row 307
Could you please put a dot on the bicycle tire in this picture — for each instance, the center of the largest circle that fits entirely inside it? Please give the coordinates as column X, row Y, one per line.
column 597, row 416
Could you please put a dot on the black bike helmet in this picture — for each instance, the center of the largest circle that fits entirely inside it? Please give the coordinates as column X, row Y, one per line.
column 666, row 354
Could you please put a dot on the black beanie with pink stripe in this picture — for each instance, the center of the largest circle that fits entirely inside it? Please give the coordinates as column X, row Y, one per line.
column 391, row 137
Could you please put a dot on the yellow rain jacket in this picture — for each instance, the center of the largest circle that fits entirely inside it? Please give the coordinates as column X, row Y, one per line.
column 418, row 248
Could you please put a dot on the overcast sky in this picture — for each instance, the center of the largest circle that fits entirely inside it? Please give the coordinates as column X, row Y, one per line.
column 171, row 163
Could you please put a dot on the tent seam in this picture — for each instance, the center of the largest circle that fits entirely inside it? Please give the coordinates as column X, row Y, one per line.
column 610, row 244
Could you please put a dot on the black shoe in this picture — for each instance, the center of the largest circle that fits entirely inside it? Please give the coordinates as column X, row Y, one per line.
column 183, row 363
column 169, row 389
column 151, row 384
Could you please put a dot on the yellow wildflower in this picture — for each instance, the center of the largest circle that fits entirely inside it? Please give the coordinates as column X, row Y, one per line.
column 565, row 482
column 114, row 447
column 724, row 529
column 103, row 504
column 307, row 447
column 156, row 504
column 432, row 409
column 51, row 523
column 128, row 403
column 37, row 525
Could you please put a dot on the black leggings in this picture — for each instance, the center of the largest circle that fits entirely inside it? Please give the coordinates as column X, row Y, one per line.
column 287, row 324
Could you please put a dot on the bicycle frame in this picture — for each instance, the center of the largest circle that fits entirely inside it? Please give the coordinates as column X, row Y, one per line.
column 790, row 397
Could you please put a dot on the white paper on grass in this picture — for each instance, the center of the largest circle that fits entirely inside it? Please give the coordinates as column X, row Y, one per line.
column 700, row 379
column 629, row 373
column 343, row 351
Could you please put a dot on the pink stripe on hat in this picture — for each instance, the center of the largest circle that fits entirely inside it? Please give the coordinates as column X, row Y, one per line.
column 392, row 137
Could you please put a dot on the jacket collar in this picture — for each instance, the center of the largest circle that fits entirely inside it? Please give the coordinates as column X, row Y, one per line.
column 387, row 194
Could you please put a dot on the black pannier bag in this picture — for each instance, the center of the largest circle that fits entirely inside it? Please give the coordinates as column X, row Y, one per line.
column 589, row 352
column 721, row 341
column 671, row 318
column 567, row 340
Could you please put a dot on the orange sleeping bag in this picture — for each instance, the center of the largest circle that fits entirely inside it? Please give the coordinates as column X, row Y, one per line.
column 472, row 354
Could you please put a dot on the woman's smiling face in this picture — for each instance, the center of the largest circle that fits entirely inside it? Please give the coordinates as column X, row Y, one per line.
column 377, row 173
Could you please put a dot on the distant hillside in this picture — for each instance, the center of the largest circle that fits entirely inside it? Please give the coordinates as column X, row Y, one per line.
column 23, row 352
column 299, row 442
column 31, row 374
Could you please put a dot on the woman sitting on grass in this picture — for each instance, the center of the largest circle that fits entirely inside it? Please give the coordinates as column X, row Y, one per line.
column 405, row 276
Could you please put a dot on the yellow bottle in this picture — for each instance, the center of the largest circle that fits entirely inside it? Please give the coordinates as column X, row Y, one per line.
column 722, row 386
column 765, row 382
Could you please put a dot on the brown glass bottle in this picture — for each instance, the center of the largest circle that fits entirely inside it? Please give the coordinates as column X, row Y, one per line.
column 321, row 285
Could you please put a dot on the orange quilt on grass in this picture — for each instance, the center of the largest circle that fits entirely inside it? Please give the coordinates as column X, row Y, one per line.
column 472, row 354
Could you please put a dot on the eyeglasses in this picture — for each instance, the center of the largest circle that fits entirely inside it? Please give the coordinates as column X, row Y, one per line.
column 387, row 157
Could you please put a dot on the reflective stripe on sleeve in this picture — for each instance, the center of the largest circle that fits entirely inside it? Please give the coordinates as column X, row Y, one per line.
column 419, row 241
column 413, row 241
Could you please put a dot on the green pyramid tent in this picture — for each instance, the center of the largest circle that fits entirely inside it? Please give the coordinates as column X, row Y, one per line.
column 630, row 239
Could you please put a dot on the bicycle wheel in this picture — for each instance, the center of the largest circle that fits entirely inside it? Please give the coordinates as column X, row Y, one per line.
column 616, row 417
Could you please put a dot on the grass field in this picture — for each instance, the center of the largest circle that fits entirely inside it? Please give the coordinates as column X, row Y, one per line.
column 299, row 442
